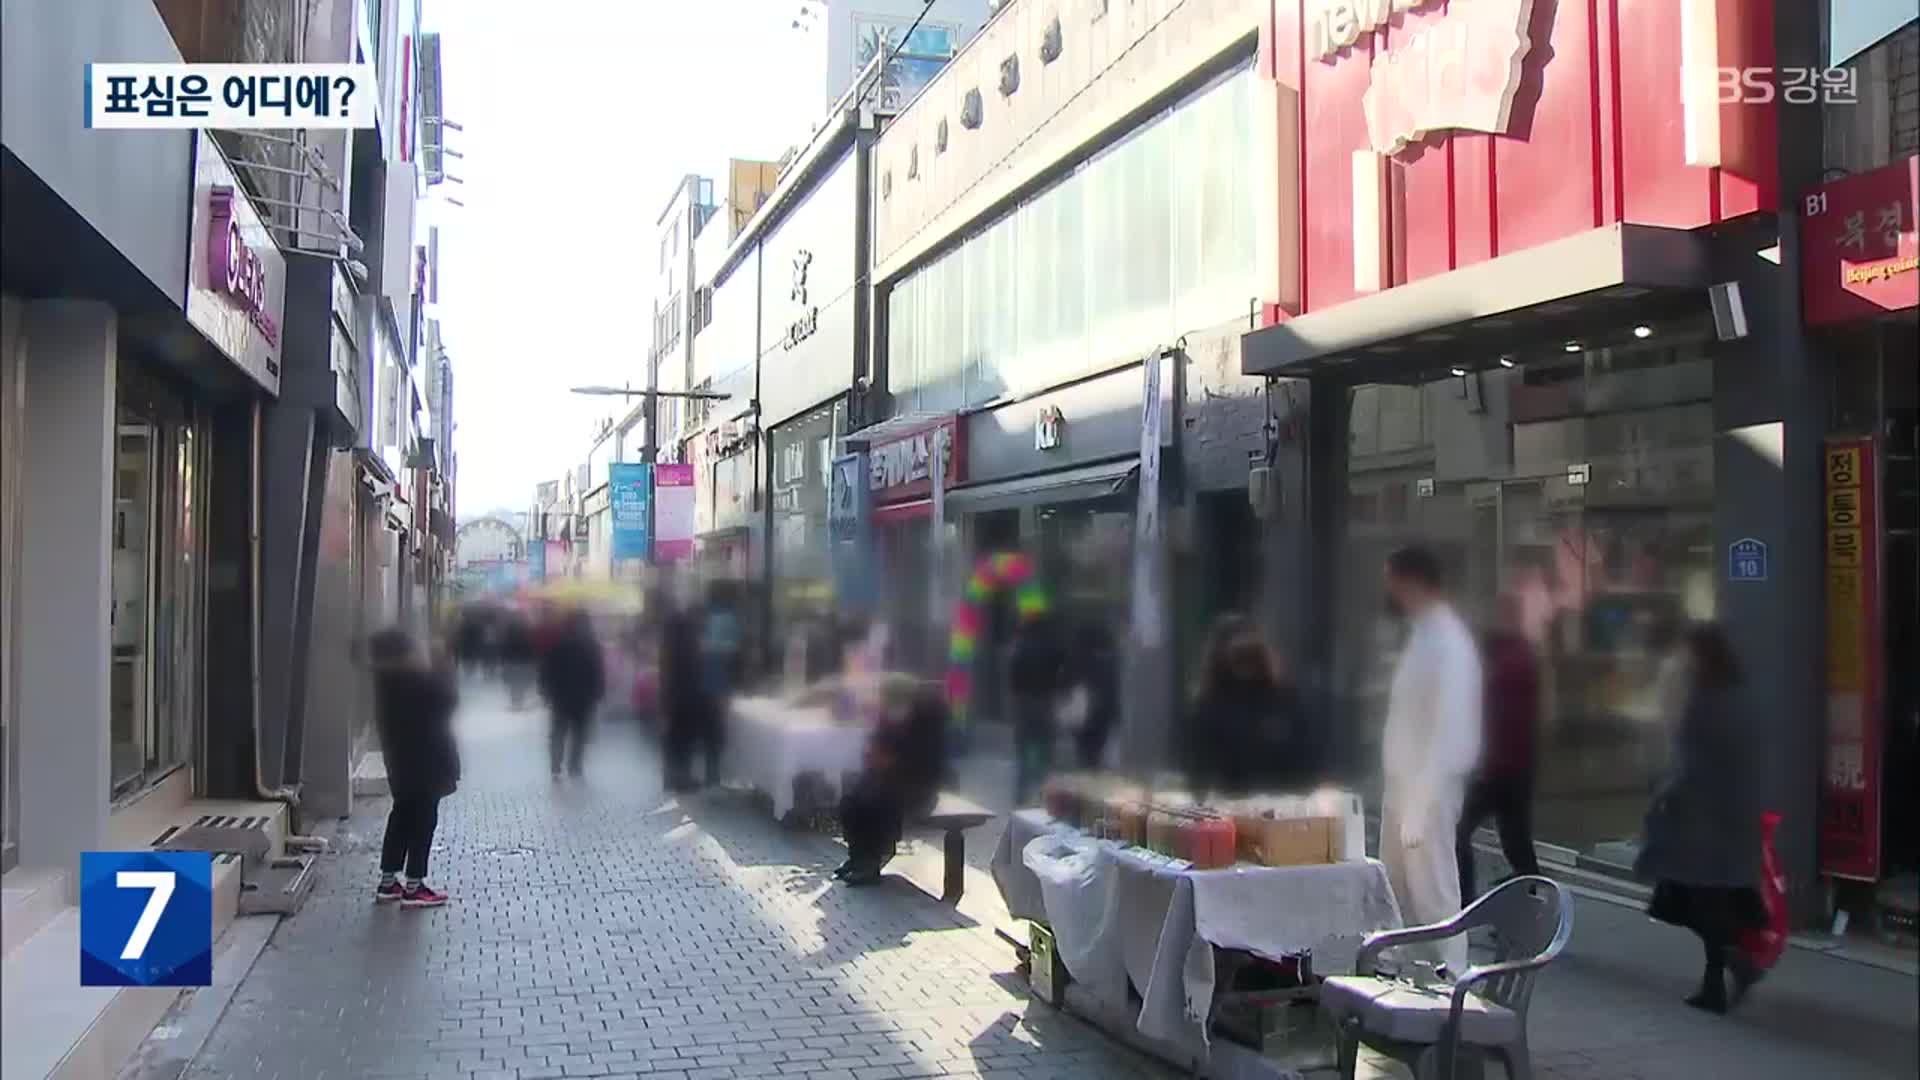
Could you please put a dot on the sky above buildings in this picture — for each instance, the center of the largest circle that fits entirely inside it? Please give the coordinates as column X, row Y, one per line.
column 580, row 117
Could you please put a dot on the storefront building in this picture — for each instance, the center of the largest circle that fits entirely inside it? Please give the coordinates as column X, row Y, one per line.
column 1542, row 319
column 141, row 329
column 1038, row 235
column 785, row 338
column 1861, row 292
column 800, row 552
column 910, row 535
column 728, row 450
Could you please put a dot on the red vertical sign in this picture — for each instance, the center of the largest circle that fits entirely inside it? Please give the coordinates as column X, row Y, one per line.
column 1851, row 788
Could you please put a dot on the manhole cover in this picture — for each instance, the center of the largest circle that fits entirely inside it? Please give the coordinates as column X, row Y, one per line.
column 508, row 852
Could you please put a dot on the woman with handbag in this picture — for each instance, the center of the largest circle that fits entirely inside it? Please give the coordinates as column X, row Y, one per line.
column 1702, row 847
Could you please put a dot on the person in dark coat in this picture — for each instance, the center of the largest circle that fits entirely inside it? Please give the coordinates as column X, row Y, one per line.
column 517, row 655
column 1503, row 788
column 470, row 639
column 905, row 765
column 413, row 712
column 573, row 679
column 1703, row 831
column 685, row 700
column 1096, row 669
column 1245, row 733
column 1037, row 674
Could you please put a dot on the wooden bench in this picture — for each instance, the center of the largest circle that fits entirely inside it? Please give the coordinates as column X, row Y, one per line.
column 953, row 816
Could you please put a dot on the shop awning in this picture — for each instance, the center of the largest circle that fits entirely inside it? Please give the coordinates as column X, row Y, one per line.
column 1404, row 330
column 1066, row 485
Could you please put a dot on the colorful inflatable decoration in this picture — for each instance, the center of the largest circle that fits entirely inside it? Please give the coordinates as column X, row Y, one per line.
column 992, row 575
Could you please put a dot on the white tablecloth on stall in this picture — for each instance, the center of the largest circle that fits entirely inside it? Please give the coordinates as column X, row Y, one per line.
column 770, row 742
column 1159, row 925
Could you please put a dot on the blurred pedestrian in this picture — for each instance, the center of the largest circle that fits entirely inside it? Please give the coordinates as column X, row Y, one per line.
column 1036, row 678
column 1096, row 671
column 573, row 679
column 1702, row 847
column 517, row 656
column 414, row 702
column 722, row 653
column 1430, row 748
column 905, row 764
column 470, row 639
column 1244, row 733
column 683, row 695
column 1503, row 788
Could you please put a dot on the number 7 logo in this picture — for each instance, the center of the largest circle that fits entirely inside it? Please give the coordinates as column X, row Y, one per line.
column 146, row 918
column 161, row 882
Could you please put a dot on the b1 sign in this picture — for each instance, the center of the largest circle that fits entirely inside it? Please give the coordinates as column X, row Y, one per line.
column 232, row 96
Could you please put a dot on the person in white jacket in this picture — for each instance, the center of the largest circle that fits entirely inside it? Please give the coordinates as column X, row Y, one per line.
column 1431, row 747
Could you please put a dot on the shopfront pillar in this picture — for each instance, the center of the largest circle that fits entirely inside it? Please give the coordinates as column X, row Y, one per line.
column 66, row 596
column 1769, row 424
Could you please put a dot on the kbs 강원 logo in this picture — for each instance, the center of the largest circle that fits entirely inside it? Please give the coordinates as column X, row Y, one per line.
column 146, row 918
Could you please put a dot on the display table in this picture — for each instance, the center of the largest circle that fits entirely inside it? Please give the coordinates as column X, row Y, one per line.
column 771, row 742
column 1123, row 916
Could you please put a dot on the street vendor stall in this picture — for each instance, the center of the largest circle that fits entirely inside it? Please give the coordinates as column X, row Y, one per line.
column 772, row 743
column 1139, row 929
column 798, row 749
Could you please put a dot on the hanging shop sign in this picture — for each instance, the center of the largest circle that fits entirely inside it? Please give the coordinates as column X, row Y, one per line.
column 902, row 467
column 1859, row 245
column 849, row 513
column 1851, row 788
column 1455, row 68
column 236, row 285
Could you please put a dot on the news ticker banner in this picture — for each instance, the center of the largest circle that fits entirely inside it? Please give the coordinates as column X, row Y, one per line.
column 231, row 96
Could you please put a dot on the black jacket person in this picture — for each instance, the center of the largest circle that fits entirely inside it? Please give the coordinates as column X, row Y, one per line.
column 413, row 711
column 573, row 679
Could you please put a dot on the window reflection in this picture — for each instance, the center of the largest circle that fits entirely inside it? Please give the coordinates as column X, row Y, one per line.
column 1582, row 486
column 1151, row 238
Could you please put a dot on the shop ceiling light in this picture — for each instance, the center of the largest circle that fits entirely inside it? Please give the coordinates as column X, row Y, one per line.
column 1574, row 346
column 1506, row 361
column 1457, row 372
column 1643, row 331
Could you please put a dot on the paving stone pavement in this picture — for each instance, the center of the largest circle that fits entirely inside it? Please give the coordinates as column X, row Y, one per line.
column 601, row 928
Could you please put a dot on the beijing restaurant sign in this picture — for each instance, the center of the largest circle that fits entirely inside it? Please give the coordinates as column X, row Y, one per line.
column 1859, row 248
column 901, row 468
column 1452, row 68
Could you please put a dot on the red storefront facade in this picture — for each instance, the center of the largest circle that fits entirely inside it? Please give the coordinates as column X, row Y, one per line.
column 1598, row 130
column 1539, row 311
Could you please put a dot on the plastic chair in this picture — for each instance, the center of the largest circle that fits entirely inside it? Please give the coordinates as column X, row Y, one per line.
column 1485, row 1009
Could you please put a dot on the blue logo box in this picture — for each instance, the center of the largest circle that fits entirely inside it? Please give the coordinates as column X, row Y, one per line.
column 146, row 918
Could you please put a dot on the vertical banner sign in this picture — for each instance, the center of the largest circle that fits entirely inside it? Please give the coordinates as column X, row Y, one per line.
column 1146, row 542
column 630, row 499
column 537, row 561
column 674, row 512
column 1850, row 793
column 848, row 495
column 937, row 528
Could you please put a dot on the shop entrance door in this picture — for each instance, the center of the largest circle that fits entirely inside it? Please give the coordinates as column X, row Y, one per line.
column 1591, row 588
column 132, row 618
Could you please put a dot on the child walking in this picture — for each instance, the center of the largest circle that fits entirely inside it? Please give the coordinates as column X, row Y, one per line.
column 414, row 699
